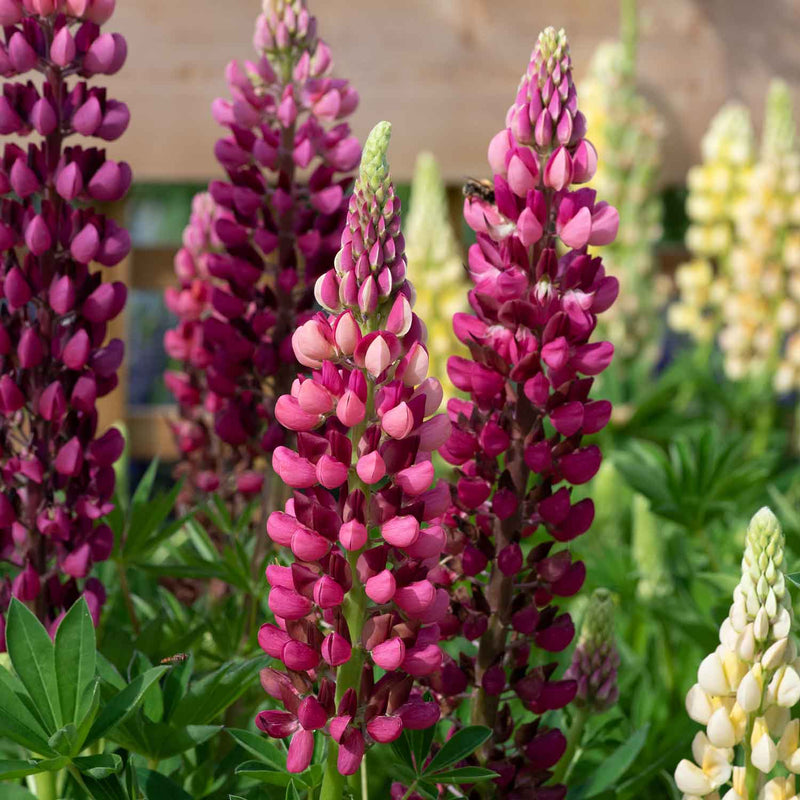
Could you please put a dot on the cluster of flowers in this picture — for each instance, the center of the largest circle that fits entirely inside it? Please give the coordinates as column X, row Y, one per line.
column 254, row 247
column 747, row 687
column 361, row 526
column 519, row 435
column 716, row 188
column 57, row 472
column 628, row 132
column 746, row 224
column 434, row 258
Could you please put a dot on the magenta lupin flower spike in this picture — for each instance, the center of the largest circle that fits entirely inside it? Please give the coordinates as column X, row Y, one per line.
column 254, row 248
column 362, row 525
column 55, row 362
column 517, row 441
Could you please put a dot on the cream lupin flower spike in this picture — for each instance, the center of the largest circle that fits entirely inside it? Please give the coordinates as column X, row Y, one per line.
column 747, row 686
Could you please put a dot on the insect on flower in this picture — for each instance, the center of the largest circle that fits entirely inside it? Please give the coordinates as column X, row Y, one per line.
column 479, row 189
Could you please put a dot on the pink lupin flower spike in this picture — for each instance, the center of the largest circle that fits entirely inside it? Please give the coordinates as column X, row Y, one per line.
column 253, row 249
column 55, row 360
column 517, row 441
column 362, row 524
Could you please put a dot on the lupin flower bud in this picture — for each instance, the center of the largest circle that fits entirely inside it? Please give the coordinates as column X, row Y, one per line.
column 595, row 660
column 253, row 249
column 55, row 359
column 747, row 687
column 435, row 259
column 628, row 132
column 647, row 549
column 362, row 522
column 517, row 441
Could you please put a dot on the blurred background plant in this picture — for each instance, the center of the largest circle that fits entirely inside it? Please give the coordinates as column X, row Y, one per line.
column 627, row 133
column 436, row 260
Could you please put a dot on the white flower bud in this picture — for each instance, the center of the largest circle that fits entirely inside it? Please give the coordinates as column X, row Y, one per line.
column 748, row 696
column 738, row 614
column 771, row 603
column 775, row 654
column 778, row 789
column 782, row 624
column 777, row 718
column 690, row 779
column 746, row 644
column 711, row 676
column 788, row 745
column 698, row 704
column 720, row 729
column 785, row 687
column 728, row 636
column 761, row 625
column 764, row 754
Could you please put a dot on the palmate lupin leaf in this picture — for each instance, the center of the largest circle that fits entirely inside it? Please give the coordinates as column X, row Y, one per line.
column 50, row 704
column 697, row 481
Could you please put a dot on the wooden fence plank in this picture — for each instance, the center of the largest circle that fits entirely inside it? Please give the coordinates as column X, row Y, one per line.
column 443, row 70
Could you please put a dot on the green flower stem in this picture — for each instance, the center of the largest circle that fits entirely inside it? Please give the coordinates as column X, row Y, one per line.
column 73, row 770
column 574, row 738
column 45, row 785
column 364, row 779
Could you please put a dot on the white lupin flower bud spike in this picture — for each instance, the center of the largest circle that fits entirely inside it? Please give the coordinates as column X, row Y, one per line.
column 746, row 688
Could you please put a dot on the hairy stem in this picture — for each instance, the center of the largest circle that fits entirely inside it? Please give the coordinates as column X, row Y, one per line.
column 574, row 737
column 45, row 785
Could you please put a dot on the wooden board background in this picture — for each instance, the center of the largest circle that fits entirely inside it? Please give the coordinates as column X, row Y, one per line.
column 444, row 71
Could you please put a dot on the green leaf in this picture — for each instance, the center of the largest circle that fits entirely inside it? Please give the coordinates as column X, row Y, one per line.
column 259, row 772
column 145, row 486
column 156, row 786
column 107, row 789
column 614, row 767
column 291, row 791
column 99, row 766
column 65, row 740
column 16, row 720
column 11, row 792
column 75, row 660
column 146, row 528
column 209, row 697
column 421, row 742
column 33, row 657
column 85, row 725
column 463, row 775
column 175, row 685
column 260, row 747
column 430, row 791
column 402, row 750
column 14, row 769
column 124, row 703
column 458, row 747
column 109, row 673
column 159, row 740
